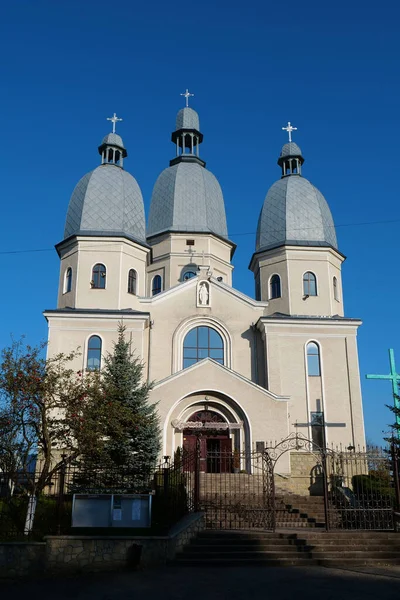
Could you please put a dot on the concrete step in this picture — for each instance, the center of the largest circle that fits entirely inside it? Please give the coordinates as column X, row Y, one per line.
column 253, row 533
column 269, row 554
column 232, row 562
column 301, row 547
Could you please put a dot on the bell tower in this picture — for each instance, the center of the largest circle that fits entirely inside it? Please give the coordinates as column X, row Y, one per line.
column 297, row 264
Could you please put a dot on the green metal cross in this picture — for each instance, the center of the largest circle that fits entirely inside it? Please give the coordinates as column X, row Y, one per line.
column 394, row 378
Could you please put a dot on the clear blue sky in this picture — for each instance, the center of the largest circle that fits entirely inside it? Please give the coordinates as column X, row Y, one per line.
column 329, row 68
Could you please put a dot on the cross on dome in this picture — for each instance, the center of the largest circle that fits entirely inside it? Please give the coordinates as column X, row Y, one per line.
column 289, row 129
column 114, row 119
column 187, row 95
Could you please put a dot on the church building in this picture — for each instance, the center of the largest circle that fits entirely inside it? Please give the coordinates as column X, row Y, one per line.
column 244, row 371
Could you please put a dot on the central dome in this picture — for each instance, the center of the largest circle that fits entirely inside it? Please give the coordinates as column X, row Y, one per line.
column 187, row 197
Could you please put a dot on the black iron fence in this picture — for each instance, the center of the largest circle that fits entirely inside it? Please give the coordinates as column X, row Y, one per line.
column 339, row 489
column 27, row 512
column 362, row 488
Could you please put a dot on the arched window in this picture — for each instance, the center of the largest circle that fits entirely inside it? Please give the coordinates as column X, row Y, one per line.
column 99, row 277
column 94, row 353
column 335, row 289
column 275, row 287
column 156, row 287
column 309, row 284
column 132, row 279
column 202, row 342
column 313, row 360
column 68, row 280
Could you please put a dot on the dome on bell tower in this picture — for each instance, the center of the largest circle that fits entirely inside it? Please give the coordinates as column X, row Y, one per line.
column 294, row 210
column 107, row 201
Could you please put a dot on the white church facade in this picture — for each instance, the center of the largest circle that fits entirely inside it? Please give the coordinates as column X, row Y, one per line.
column 246, row 371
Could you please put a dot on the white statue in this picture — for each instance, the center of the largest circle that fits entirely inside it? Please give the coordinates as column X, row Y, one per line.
column 203, row 294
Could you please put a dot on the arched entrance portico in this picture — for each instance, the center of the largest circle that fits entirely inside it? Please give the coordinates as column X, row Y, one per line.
column 210, row 432
column 214, row 422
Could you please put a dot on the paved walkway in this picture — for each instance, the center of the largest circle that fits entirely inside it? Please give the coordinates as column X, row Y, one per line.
column 185, row 583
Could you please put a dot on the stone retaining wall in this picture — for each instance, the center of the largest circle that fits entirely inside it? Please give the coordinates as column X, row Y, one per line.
column 305, row 476
column 18, row 559
column 74, row 554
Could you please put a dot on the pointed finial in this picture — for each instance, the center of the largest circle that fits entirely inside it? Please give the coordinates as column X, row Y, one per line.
column 114, row 119
column 289, row 129
column 187, row 95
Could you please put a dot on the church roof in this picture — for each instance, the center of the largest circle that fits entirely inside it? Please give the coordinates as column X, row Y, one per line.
column 187, row 197
column 113, row 139
column 107, row 200
column 187, row 118
column 294, row 210
column 290, row 149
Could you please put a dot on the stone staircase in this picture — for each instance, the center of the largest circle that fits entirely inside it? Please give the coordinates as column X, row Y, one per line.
column 292, row 510
column 305, row 548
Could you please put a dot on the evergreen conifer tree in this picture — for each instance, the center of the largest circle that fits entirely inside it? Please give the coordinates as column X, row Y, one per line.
column 395, row 437
column 134, row 440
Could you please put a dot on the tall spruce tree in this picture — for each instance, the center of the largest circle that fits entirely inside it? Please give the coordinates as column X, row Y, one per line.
column 135, row 441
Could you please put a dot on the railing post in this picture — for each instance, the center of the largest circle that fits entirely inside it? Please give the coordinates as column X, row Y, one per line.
column 166, row 475
column 196, row 495
column 396, row 476
column 61, row 490
column 325, row 485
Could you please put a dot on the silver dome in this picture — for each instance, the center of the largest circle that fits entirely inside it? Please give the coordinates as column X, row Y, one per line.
column 187, row 118
column 113, row 139
column 106, row 201
column 187, row 197
column 291, row 149
column 295, row 212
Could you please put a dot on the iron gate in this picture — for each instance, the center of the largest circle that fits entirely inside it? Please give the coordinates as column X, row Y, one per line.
column 237, row 490
column 346, row 489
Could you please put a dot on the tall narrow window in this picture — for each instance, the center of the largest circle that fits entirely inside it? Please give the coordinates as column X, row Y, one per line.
column 68, row 280
column 335, row 290
column 94, row 353
column 202, row 342
column 132, row 279
column 99, row 277
column 275, row 287
column 309, row 284
column 317, row 430
column 157, row 285
column 313, row 360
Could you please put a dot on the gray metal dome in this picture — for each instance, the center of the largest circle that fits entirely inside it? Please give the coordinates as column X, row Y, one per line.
column 106, row 201
column 187, row 118
column 187, row 197
column 295, row 212
column 291, row 149
column 113, row 139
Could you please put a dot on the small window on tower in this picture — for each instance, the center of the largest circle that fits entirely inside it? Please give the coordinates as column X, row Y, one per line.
column 189, row 242
column 68, row 280
column 309, row 284
column 132, row 279
column 275, row 287
column 98, row 277
column 335, row 289
column 156, row 287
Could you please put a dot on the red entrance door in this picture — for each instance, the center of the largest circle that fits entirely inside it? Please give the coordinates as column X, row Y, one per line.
column 215, row 452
